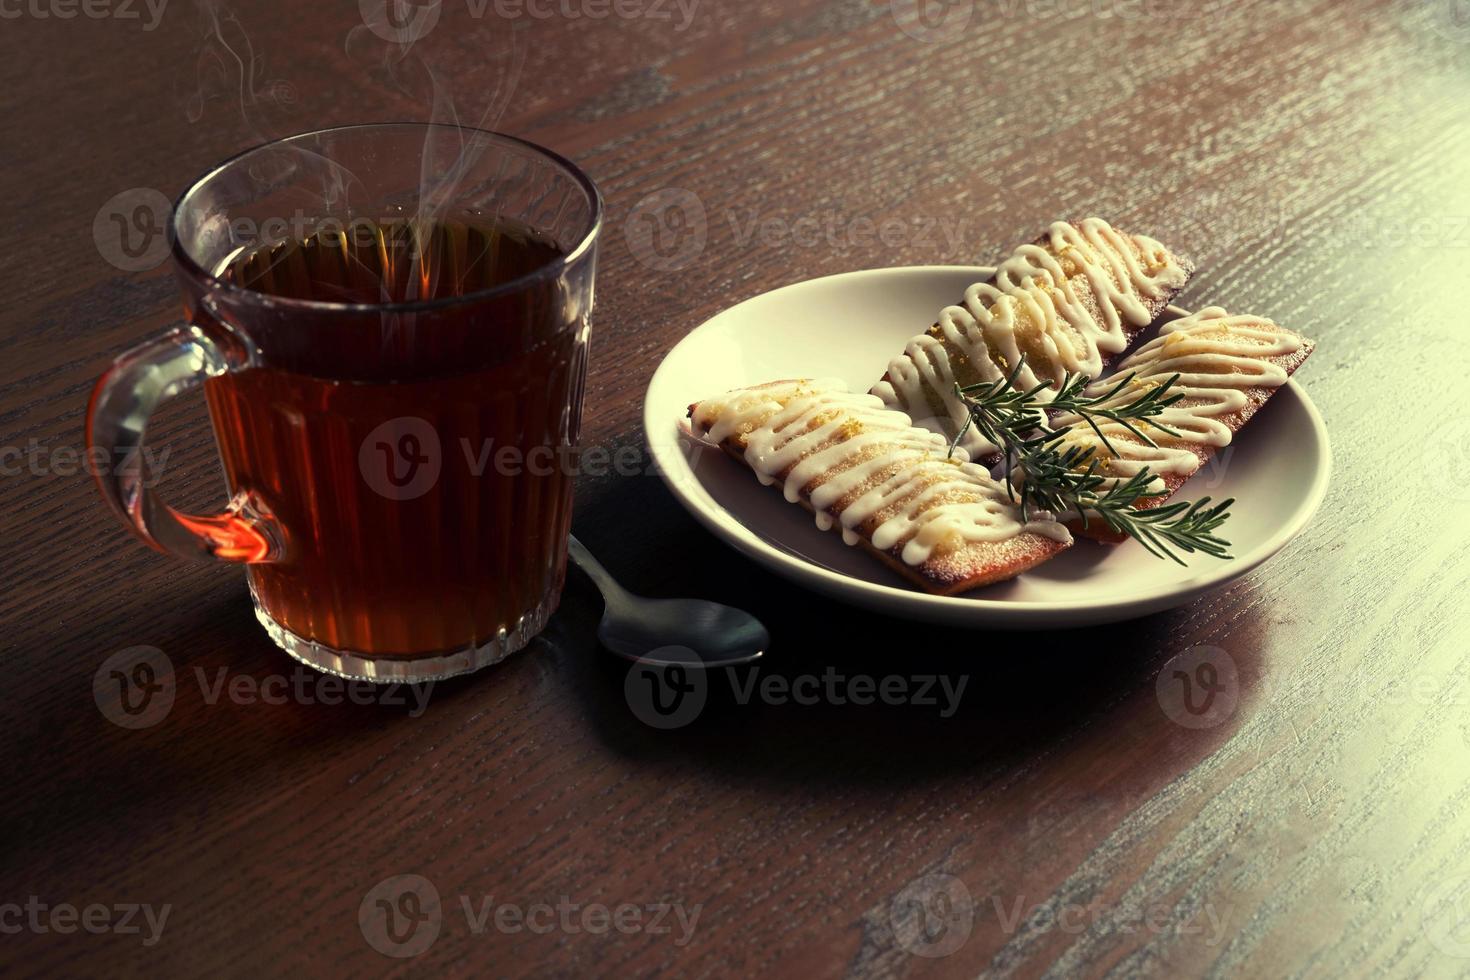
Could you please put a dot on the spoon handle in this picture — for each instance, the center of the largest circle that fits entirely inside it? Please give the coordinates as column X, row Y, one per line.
column 601, row 577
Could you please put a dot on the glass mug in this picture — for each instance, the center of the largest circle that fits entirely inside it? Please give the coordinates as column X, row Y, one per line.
column 390, row 325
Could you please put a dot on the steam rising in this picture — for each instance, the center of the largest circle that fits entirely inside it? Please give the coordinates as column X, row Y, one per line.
column 229, row 70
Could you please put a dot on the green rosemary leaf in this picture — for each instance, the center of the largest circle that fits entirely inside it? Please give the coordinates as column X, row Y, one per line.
column 1066, row 479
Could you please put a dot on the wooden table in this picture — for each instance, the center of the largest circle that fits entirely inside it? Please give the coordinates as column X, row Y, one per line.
column 1311, row 156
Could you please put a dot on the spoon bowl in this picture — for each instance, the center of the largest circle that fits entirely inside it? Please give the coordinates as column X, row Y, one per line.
column 666, row 632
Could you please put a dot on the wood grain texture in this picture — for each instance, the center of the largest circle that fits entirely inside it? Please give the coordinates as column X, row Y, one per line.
column 1311, row 157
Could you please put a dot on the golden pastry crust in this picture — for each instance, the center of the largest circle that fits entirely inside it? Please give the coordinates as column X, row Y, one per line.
column 982, row 563
column 1235, row 421
column 947, row 571
column 930, row 403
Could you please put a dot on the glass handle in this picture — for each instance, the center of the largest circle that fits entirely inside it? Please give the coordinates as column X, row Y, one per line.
column 138, row 382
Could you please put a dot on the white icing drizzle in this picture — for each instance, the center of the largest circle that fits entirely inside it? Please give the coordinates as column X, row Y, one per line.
column 1218, row 358
column 1031, row 307
column 876, row 466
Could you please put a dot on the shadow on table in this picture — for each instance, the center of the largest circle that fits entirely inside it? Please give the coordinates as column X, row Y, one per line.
column 955, row 699
column 814, row 711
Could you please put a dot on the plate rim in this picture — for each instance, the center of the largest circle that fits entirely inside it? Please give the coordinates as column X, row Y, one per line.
column 662, row 437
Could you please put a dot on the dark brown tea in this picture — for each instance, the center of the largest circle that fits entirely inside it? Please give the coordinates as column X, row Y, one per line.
column 414, row 456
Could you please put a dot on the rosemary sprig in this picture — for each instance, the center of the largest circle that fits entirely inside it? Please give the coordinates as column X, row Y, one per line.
column 1073, row 399
column 1061, row 477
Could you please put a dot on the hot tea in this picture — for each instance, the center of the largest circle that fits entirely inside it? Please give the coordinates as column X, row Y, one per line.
column 411, row 448
column 389, row 322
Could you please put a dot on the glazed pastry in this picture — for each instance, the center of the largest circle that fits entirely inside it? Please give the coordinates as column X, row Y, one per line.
column 1228, row 367
column 891, row 487
column 1071, row 302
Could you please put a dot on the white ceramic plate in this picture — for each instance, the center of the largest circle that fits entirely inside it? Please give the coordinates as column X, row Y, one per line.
column 849, row 326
